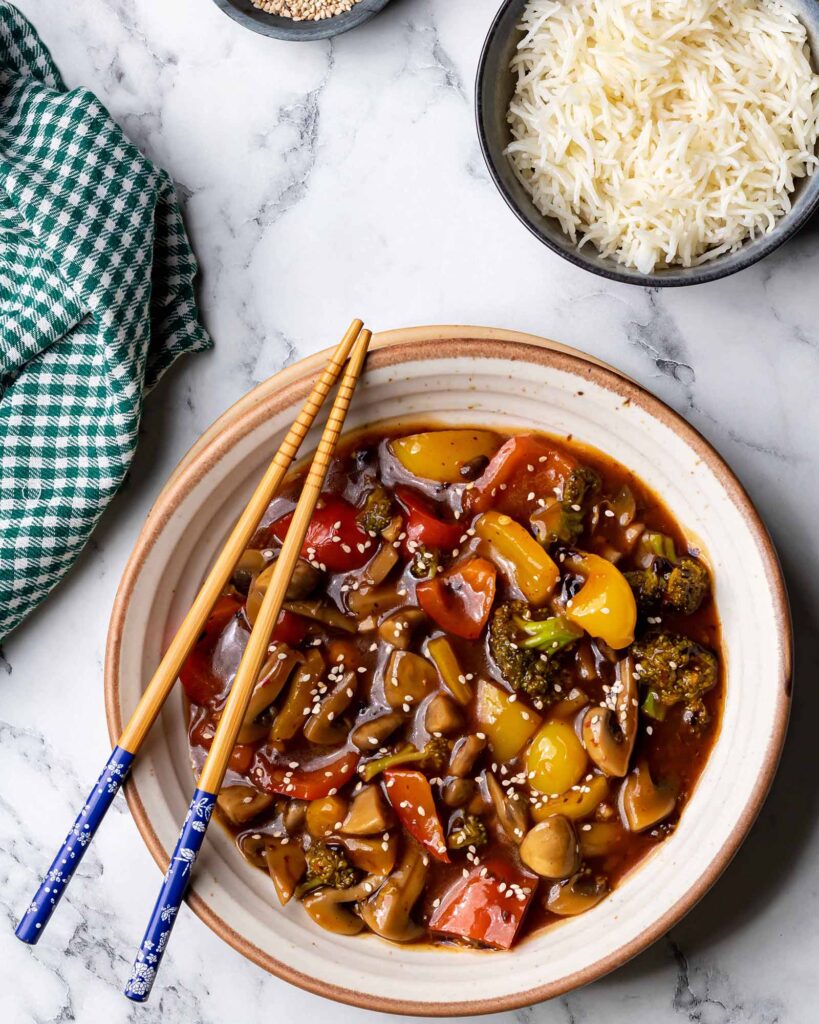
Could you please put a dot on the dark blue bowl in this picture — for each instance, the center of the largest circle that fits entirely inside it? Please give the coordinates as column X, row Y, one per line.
column 494, row 86
column 274, row 25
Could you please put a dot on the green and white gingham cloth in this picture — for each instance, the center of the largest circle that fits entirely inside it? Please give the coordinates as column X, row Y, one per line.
column 96, row 302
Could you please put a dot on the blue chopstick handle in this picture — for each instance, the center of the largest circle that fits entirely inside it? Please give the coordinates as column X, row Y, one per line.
column 76, row 842
column 170, row 897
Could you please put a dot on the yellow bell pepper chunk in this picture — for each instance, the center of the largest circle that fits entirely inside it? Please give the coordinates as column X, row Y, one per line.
column 556, row 760
column 440, row 454
column 604, row 606
column 535, row 572
column 508, row 724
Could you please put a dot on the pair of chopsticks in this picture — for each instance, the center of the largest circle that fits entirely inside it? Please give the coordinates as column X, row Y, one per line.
column 354, row 345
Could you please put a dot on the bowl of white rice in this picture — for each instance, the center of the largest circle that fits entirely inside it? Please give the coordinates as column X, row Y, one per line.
column 654, row 142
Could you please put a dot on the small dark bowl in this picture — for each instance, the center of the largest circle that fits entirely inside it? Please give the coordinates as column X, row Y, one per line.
column 494, row 86
column 274, row 25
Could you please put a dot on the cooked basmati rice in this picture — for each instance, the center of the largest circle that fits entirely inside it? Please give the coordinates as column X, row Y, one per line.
column 663, row 131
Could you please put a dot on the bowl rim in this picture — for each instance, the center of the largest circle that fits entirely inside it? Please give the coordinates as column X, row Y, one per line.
column 279, row 27
column 787, row 226
column 389, row 349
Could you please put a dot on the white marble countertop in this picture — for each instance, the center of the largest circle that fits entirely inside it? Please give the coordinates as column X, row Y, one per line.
column 322, row 181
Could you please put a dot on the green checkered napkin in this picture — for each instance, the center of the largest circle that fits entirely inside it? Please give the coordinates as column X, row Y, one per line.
column 96, row 302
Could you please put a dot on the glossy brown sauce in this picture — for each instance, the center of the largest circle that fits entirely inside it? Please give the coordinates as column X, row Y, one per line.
column 676, row 754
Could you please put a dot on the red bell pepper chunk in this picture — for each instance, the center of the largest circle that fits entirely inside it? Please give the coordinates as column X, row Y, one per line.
column 508, row 480
column 290, row 628
column 460, row 599
column 208, row 669
column 476, row 908
column 242, row 754
column 424, row 526
column 410, row 795
column 319, row 778
column 241, row 757
column 334, row 538
column 201, row 682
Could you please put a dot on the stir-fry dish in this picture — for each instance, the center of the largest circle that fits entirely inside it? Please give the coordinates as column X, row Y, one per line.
column 491, row 690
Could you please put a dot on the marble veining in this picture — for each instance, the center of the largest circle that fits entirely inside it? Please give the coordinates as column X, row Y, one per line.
column 322, row 181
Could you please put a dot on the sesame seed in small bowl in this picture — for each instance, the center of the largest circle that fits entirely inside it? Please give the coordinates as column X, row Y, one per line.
column 300, row 20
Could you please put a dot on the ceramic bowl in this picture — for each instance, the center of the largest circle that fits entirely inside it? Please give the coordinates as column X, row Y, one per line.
column 470, row 375
column 494, row 85
column 278, row 27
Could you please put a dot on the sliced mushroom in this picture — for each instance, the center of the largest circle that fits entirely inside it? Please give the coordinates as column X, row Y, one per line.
column 443, row 715
column 290, row 718
column 328, row 907
column 371, row 734
column 325, row 815
column 251, row 732
column 374, row 600
column 381, row 564
column 240, row 804
column 322, row 612
column 577, row 895
column 459, row 792
column 397, row 628
column 374, row 854
column 600, row 838
column 511, row 811
column 578, row 802
column 303, row 582
column 642, row 802
column 609, row 734
column 605, row 812
column 254, row 847
column 251, row 563
column 571, row 704
column 387, row 912
column 550, row 848
column 286, row 864
column 274, row 674
column 323, row 725
column 408, row 679
column 464, row 755
column 294, row 815
column 368, row 814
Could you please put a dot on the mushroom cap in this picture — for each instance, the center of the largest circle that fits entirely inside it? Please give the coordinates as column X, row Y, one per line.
column 550, row 848
column 642, row 802
column 387, row 911
column 328, row 907
column 609, row 734
column 577, row 895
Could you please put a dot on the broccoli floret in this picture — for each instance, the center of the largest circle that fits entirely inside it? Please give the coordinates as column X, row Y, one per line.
column 583, row 483
column 649, row 586
column 326, row 866
column 471, row 832
column 687, row 586
column 377, row 512
column 680, row 586
column 432, row 758
column 675, row 669
column 561, row 520
column 424, row 565
column 515, row 636
column 547, row 635
column 655, row 545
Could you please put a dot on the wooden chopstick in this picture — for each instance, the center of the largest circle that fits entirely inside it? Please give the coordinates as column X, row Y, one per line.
column 36, row 917
column 193, row 831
